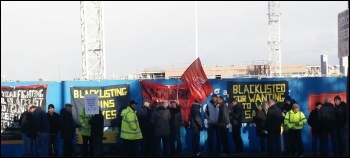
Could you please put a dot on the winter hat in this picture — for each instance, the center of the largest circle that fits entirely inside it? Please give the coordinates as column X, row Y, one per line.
column 288, row 98
column 295, row 105
column 337, row 97
column 318, row 103
column 51, row 106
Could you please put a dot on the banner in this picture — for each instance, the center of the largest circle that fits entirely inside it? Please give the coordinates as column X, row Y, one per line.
column 197, row 82
column 110, row 99
column 14, row 101
column 251, row 94
column 158, row 92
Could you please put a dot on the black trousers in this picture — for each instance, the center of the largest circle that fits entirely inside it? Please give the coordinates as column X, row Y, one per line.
column 130, row 146
column 67, row 148
column 98, row 146
column 273, row 143
column 286, row 139
column 195, row 141
column 224, row 139
column 237, row 138
column 263, row 139
column 88, row 149
column 296, row 143
column 147, row 143
column 175, row 137
column 210, row 139
column 324, row 142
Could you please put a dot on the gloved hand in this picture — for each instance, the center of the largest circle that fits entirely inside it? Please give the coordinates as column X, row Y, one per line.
column 297, row 123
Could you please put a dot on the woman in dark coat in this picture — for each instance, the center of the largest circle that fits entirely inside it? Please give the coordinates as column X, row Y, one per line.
column 260, row 121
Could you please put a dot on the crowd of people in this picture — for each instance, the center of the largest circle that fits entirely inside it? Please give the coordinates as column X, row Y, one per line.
column 157, row 129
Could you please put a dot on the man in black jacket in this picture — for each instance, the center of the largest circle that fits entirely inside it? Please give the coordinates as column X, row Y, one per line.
column 54, row 121
column 161, row 120
column 223, row 124
column 67, row 130
column 328, row 118
column 97, row 124
column 27, row 124
column 196, row 126
column 274, row 119
column 314, row 122
column 343, row 126
column 288, row 103
column 144, row 116
column 43, row 130
column 236, row 122
column 176, row 122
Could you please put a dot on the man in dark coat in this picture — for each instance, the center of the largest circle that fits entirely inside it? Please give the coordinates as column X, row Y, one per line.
column 236, row 122
column 176, row 122
column 42, row 128
column 54, row 122
column 274, row 119
column 328, row 118
column 288, row 103
column 196, row 126
column 314, row 122
column 343, row 126
column 27, row 124
column 144, row 116
column 260, row 121
column 97, row 124
column 161, row 120
column 223, row 124
column 67, row 130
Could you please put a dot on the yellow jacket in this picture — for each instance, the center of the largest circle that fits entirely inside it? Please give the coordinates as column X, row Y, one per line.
column 130, row 125
column 84, row 122
column 291, row 118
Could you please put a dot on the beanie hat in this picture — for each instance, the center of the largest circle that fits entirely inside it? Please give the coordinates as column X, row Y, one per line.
column 288, row 98
column 337, row 97
column 51, row 106
column 318, row 103
column 295, row 105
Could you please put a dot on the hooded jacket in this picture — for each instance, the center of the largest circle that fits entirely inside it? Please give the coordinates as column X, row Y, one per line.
column 83, row 120
column 291, row 118
column 130, row 125
column 97, row 123
column 161, row 120
column 67, row 125
column 314, row 121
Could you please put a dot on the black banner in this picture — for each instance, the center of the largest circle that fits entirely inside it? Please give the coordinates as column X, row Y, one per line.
column 250, row 94
column 14, row 101
column 110, row 99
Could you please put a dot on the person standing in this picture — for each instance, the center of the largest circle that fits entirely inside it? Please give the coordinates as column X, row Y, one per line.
column 236, row 121
column 212, row 115
column 161, row 120
column 328, row 120
column 97, row 123
column 343, row 126
column 27, row 124
column 260, row 121
column 315, row 125
column 43, row 130
column 223, row 124
column 67, row 129
column 130, row 129
column 196, row 126
column 274, row 119
column 54, row 121
column 88, row 147
column 288, row 103
column 176, row 122
column 294, row 121
column 144, row 116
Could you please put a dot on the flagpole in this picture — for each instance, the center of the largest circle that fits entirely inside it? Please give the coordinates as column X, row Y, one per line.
column 196, row 32
column 177, row 92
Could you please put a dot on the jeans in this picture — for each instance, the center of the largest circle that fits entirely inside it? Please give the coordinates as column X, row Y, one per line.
column 27, row 145
column 324, row 142
column 296, row 143
column 42, row 139
column 237, row 138
column 315, row 137
column 53, row 144
column 273, row 143
column 210, row 138
column 166, row 145
column 175, row 137
column 88, row 149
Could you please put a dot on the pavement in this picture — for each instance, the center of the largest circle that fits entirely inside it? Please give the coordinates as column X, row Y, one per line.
column 307, row 154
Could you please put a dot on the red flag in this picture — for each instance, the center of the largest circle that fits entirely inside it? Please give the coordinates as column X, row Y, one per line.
column 197, row 82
